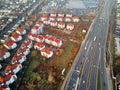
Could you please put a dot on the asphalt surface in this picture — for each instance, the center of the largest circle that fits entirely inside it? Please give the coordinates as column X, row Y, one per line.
column 91, row 56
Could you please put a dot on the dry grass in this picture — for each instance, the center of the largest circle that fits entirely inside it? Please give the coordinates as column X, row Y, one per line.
column 63, row 60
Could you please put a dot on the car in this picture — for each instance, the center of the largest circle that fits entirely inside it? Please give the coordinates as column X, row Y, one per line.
column 6, row 35
column 99, row 43
column 83, row 81
column 85, row 48
column 94, row 38
column 118, row 87
column 10, row 31
column 104, row 84
column 94, row 65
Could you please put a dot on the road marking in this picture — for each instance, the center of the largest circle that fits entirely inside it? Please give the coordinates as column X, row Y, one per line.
column 94, row 38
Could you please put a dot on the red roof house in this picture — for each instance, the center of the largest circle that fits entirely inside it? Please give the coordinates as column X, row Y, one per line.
column 35, row 29
column 51, row 18
column 24, row 51
column 39, row 23
column 57, row 43
column 70, row 26
column 46, row 52
column 21, row 31
column 59, row 18
column 53, row 41
column 69, row 15
column 47, row 40
column 53, row 14
column 32, row 36
column 61, row 14
column 1, row 27
column 53, row 23
column 43, row 17
column 4, row 54
column 18, row 59
column 7, row 79
column 39, row 38
column 46, row 21
column 61, row 25
column 38, row 28
column 27, row 43
column 16, row 37
column 76, row 19
column 4, row 87
column 10, row 44
column 67, row 19
column 13, row 68
column 39, row 46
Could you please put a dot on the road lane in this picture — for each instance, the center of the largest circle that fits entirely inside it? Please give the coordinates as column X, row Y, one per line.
column 86, row 68
column 94, row 71
column 93, row 47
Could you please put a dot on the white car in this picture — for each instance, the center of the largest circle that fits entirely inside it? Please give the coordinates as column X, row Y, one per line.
column 83, row 81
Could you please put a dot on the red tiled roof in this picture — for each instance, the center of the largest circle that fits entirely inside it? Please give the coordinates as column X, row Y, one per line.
column 6, row 77
column 39, row 44
column 25, row 44
column 33, row 35
column 51, row 17
column 46, row 50
column 2, row 48
column 22, row 50
column 75, row 17
column 53, row 21
column 20, row 29
column 59, row 17
column 1, row 26
column 30, row 34
column 39, row 22
column 43, row 17
column 1, row 79
column 11, row 67
column 3, row 87
column 15, row 35
column 61, row 23
column 39, row 36
column 9, row 42
column 67, row 18
column 57, row 40
column 16, row 58
column 68, row 14
column 46, row 37
column 2, row 53
column 51, row 38
column 70, row 24
column 35, row 27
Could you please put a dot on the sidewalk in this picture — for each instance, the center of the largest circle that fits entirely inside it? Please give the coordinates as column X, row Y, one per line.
column 109, row 79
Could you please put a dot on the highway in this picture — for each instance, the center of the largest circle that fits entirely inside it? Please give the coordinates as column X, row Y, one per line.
column 91, row 57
